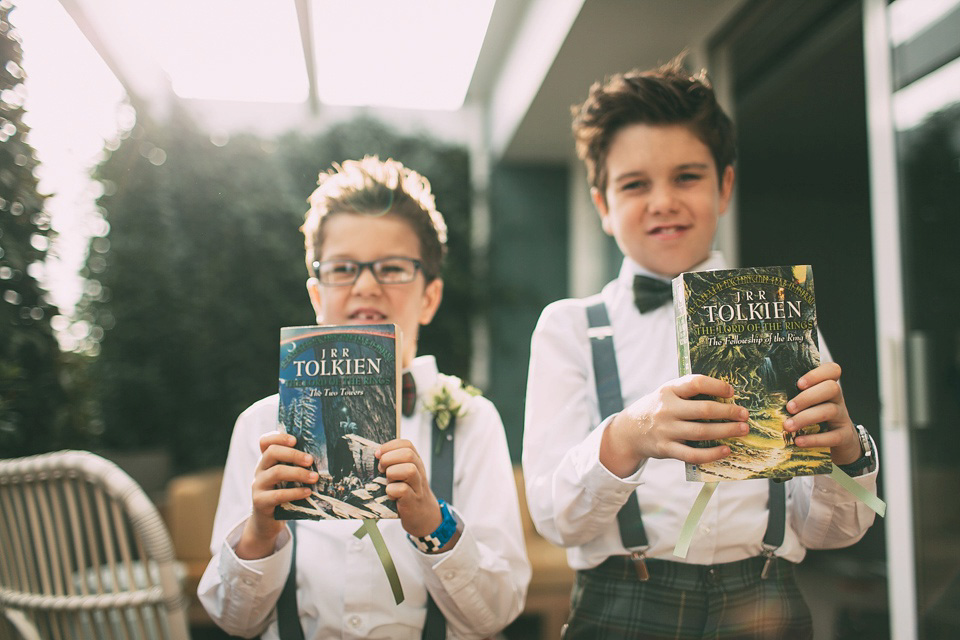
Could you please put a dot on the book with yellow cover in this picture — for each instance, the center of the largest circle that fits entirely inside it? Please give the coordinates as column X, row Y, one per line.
column 755, row 328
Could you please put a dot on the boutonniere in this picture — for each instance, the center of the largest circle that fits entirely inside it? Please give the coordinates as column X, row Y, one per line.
column 447, row 400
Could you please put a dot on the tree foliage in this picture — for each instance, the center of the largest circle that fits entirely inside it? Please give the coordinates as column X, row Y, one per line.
column 204, row 263
column 40, row 388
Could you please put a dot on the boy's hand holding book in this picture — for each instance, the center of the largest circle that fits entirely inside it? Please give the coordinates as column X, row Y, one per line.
column 409, row 485
column 820, row 401
column 417, row 506
column 660, row 424
column 279, row 463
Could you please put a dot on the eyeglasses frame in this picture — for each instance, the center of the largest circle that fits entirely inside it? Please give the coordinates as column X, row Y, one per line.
column 361, row 265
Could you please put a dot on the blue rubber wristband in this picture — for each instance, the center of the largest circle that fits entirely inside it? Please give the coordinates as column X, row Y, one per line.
column 435, row 541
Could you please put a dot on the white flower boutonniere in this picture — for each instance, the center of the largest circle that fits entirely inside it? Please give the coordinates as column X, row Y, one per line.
column 448, row 399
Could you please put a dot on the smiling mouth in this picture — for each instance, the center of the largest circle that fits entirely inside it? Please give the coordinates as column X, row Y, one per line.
column 668, row 230
column 367, row 315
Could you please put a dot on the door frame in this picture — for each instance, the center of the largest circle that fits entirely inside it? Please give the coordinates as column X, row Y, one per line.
column 897, row 471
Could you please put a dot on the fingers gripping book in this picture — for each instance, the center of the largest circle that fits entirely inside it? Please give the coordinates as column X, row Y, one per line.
column 755, row 328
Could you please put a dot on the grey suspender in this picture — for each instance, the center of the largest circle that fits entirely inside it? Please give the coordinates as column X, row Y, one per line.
column 610, row 399
column 441, row 482
column 776, row 522
column 288, row 618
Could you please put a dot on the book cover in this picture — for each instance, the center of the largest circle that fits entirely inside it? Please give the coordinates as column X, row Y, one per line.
column 755, row 328
column 339, row 396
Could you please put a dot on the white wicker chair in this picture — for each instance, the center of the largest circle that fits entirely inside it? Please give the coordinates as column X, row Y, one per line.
column 84, row 554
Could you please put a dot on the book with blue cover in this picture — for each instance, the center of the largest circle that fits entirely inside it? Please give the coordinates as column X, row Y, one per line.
column 755, row 328
column 339, row 396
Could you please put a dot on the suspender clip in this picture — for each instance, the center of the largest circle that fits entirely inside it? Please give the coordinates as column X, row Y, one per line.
column 768, row 562
column 600, row 333
column 640, row 565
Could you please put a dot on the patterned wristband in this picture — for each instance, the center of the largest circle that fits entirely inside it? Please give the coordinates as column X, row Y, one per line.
column 432, row 543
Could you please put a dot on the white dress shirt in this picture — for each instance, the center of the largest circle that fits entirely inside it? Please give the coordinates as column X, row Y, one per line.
column 573, row 499
column 342, row 591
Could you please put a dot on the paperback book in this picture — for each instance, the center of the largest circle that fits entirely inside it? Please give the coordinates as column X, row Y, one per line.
column 339, row 392
column 755, row 328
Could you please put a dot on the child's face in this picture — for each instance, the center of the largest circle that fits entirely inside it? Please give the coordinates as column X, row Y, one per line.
column 663, row 197
column 365, row 238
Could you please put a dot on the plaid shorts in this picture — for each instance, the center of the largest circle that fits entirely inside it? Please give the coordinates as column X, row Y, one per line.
column 682, row 601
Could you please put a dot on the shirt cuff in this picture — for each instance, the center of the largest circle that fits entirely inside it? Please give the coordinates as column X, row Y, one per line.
column 270, row 570
column 456, row 567
column 826, row 487
column 599, row 481
column 250, row 587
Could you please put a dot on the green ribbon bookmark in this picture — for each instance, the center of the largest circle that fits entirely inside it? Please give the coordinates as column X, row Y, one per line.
column 690, row 524
column 369, row 526
column 706, row 492
column 859, row 492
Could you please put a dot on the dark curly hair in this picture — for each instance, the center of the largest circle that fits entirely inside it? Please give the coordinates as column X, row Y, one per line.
column 666, row 95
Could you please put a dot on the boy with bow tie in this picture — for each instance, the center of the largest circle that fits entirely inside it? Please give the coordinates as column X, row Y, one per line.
column 608, row 422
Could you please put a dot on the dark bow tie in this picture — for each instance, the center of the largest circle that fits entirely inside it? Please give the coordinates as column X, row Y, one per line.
column 408, row 394
column 650, row 293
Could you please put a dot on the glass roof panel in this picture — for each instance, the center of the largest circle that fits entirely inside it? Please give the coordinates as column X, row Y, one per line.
column 245, row 50
column 417, row 54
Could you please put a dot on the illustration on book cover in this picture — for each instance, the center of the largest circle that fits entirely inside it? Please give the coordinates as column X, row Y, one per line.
column 339, row 398
column 755, row 328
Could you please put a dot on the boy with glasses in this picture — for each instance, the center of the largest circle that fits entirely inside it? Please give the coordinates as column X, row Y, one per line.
column 374, row 247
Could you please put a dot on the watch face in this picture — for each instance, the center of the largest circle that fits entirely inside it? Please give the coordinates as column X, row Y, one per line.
column 866, row 459
column 865, row 444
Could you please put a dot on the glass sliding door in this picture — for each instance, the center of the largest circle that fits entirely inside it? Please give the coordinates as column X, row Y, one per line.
column 793, row 76
column 913, row 63
column 926, row 117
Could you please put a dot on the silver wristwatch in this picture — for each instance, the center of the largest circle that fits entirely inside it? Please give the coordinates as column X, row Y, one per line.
column 867, row 458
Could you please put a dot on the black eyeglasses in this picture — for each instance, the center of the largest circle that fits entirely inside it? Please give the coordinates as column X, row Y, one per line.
column 339, row 273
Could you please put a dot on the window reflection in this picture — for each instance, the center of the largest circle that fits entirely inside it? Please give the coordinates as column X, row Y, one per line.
column 929, row 156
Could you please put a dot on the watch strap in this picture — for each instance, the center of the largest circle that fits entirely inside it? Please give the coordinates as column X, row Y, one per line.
column 867, row 457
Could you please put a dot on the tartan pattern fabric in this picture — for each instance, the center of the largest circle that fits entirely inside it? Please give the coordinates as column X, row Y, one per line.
column 682, row 601
column 408, row 394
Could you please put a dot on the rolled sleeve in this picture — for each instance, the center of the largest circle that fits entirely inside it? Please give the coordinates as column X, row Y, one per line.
column 605, row 486
column 832, row 517
column 572, row 497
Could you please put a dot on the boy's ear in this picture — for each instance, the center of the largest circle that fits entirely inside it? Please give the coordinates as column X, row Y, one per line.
column 600, row 202
column 430, row 302
column 314, row 291
column 726, row 188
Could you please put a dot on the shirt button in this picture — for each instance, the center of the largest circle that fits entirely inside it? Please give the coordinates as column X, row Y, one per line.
column 449, row 575
column 705, row 529
column 354, row 621
column 248, row 581
column 357, row 545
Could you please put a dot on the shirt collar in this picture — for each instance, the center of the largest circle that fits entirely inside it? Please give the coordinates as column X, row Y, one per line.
column 424, row 370
column 630, row 268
